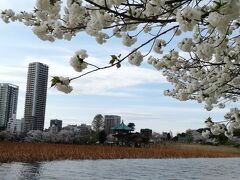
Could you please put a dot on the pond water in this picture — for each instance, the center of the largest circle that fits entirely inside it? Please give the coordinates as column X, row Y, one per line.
column 125, row 169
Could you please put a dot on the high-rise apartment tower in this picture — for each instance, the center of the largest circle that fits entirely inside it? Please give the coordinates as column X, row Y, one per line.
column 8, row 103
column 36, row 95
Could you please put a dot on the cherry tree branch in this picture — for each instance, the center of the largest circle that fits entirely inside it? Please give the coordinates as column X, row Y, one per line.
column 114, row 64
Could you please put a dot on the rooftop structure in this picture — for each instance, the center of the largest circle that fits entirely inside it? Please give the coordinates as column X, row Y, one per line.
column 122, row 128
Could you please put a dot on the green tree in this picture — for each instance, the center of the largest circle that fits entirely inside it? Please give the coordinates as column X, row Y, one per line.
column 98, row 123
column 102, row 136
column 131, row 125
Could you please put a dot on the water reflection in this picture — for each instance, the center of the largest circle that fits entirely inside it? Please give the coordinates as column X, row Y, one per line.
column 127, row 169
column 31, row 171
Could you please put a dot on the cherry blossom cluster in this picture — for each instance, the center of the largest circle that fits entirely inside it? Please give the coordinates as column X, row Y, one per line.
column 188, row 17
column 158, row 46
column 77, row 61
column 62, row 84
column 232, row 123
column 233, row 119
column 135, row 58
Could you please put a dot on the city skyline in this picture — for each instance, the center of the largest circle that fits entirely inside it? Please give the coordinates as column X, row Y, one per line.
column 134, row 93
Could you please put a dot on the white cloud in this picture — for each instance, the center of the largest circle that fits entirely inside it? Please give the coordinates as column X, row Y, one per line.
column 103, row 82
column 50, row 48
column 15, row 75
column 112, row 79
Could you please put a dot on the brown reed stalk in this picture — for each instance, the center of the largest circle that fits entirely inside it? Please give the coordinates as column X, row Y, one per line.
column 30, row 152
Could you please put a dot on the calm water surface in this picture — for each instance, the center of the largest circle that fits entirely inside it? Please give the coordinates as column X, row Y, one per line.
column 133, row 169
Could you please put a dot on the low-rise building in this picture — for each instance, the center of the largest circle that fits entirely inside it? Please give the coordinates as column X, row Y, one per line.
column 14, row 125
column 73, row 128
column 84, row 129
column 146, row 132
column 111, row 121
column 55, row 125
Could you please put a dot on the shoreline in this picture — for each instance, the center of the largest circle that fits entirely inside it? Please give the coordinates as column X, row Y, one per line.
column 38, row 152
column 59, row 160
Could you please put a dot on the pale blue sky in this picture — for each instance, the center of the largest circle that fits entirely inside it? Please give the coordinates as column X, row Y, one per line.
column 134, row 93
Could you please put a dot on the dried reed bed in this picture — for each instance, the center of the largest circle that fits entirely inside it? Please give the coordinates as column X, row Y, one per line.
column 29, row 152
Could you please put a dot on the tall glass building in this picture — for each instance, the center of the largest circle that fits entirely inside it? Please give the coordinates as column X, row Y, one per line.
column 8, row 103
column 36, row 95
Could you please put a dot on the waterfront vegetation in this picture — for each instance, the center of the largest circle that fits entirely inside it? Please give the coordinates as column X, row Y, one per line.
column 30, row 152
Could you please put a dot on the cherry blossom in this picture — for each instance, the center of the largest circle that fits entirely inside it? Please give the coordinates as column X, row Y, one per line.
column 207, row 33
